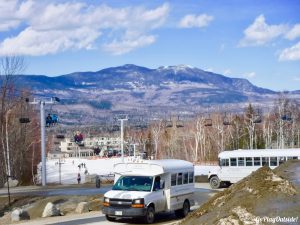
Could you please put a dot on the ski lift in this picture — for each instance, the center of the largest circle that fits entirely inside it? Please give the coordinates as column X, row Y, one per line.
column 287, row 117
column 78, row 138
column 60, row 136
column 226, row 121
column 169, row 123
column 51, row 119
column 208, row 122
column 24, row 120
column 257, row 117
column 179, row 123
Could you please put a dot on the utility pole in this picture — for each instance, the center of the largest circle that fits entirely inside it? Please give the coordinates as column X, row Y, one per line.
column 122, row 135
column 42, row 104
column 135, row 144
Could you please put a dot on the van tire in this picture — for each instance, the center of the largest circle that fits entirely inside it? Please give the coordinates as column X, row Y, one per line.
column 111, row 219
column 181, row 213
column 214, row 182
column 150, row 215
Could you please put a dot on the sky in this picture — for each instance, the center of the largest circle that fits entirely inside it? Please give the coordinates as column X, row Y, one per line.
column 254, row 39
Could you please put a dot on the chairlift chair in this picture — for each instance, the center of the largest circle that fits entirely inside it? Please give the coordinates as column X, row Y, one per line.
column 287, row 117
column 257, row 119
column 208, row 122
column 179, row 123
column 169, row 124
column 226, row 121
column 24, row 120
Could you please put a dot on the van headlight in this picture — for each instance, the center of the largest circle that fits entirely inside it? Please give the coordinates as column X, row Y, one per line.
column 105, row 201
column 138, row 203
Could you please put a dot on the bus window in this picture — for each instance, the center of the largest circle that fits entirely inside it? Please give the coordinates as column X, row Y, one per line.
column 241, row 161
column 249, row 161
column 173, row 179
column 256, row 161
column 281, row 160
column 185, row 178
column 273, row 161
column 179, row 178
column 233, row 162
column 265, row 161
column 191, row 177
column 224, row 162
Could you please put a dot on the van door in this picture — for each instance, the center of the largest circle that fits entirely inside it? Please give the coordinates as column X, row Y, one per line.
column 158, row 195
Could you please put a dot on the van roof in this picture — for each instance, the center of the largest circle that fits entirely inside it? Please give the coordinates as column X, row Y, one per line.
column 260, row 153
column 153, row 167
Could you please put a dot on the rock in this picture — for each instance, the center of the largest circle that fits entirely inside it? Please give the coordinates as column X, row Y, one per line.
column 12, row 183
column 82, row 207
column 51, row 210
column 19, row 214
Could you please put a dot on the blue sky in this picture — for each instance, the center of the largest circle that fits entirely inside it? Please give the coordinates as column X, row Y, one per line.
column 258, row 39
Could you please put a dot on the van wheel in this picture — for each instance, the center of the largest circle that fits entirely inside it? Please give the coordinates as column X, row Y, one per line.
column 214, row 182
column 150, row 215
column 111, row 219
column 181, row 213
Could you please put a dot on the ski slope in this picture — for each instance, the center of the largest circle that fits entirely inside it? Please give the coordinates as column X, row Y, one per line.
column 69, row 169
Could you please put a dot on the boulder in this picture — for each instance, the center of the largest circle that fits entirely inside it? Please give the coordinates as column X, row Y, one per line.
column 82, row 207
column 19, row 214
column 51, row 210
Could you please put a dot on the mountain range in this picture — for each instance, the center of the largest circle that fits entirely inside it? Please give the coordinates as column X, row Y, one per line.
column 139, row 90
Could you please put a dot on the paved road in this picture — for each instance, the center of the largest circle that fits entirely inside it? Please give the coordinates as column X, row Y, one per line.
column 203, row 193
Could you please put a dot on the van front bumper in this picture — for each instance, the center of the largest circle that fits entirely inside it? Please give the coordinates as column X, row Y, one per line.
column 124, row 212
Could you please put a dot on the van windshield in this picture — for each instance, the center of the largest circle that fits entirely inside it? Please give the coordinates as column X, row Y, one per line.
column 133, row 183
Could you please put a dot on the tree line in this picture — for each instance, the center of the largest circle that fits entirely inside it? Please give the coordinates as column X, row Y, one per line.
column 202, row 138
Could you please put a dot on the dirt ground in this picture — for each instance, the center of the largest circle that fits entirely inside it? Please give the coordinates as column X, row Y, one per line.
column 36, row 205
column 265, row 193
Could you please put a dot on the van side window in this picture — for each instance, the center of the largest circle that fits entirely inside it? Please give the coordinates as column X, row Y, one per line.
column 173, row 179
column 191, row 177
column 256, row 161
column 281, row 160
column 241, row 161
column 232, row 161
column 179, row 178
column 185, row 178
column 265, row 161
column 273, row 161
column 249, row 161
column 224, row 162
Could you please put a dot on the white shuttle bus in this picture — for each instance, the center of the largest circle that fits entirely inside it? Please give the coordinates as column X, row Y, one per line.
column 142, row 189
column 237, row 164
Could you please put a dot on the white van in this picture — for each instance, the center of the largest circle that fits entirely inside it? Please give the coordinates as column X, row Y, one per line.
column 142, row 189
column 237, row 164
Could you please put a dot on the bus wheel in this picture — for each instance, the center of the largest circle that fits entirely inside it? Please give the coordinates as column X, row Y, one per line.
column 150, row 215
column 214, row 182
column 181, row 213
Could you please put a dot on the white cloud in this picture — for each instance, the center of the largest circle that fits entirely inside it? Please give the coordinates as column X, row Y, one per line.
column 192, row 20
column 290, row 54
column 125, row 46
column 250, row 75
column 53, row 28
column 260, row 33
column 294, row 32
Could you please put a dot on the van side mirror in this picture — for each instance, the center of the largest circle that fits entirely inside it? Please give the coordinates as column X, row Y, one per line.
column 162, row 184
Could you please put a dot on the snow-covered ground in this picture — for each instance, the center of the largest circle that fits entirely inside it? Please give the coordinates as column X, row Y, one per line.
column 104, row 166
